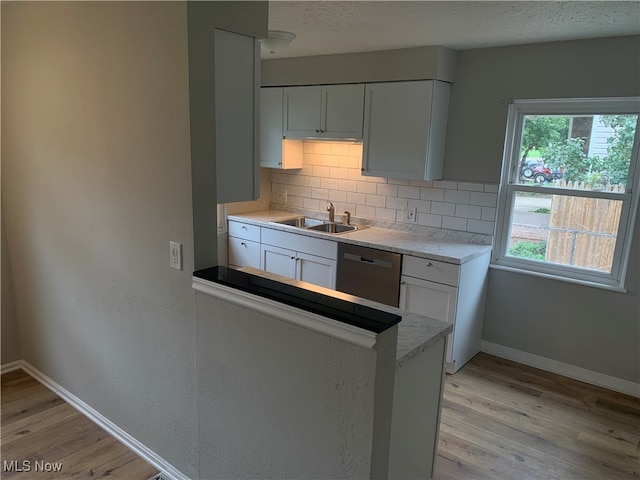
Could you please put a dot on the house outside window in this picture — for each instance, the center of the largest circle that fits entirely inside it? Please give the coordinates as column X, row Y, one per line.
column 568, row 194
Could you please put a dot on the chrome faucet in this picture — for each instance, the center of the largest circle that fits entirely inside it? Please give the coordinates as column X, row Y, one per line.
column 331, row 211
column 347, row 215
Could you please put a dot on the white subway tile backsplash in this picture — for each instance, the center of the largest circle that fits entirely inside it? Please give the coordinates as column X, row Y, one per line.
column 435, row 194
column 420, row 205
column 321, row 193
column 443, row 208
column 445, row 184
column 320, row 171
column 429, row 220
column 365, row 211
column 480, row 226
column 483, row 199
column 454, row 223
column 474, row 187
column 357, row 198
column 386, row 189
column 456, row 196
column 396, row 202
column 311, row 203
column 409, row 192
column 489, row 214
column 349, row 162
column 376, row 200
column 335, row 172
column 331, row 172
column 421, row 183
column 337, row 196
column 386, row 214
column 338, row 148
column 366, row 187
column 347, row 185
column 330, row 183
column 468, row 211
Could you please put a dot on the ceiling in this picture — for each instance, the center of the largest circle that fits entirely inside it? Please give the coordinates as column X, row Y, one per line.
column 329, row 27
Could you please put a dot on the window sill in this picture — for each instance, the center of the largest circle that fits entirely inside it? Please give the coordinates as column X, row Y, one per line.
column 559, row 278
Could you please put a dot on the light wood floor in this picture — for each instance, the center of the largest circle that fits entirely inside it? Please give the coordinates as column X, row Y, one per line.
column 38, row 426
column 500, row 420
column 503, row 420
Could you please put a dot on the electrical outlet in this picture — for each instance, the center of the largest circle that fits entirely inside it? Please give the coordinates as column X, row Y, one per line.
column 175, row 255
column 282, row 196
column 411, row 214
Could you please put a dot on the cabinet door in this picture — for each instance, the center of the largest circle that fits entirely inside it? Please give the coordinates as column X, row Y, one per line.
column 405, row 130
column 244, row 253
column 342, row 111
column 278, row 260
column 431, row 300
column 317, row 270
column 302, row 111
column 271, row 111
column 237, row 71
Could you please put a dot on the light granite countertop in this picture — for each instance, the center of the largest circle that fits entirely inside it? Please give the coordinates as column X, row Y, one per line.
column 403, row 242
column 416, row 333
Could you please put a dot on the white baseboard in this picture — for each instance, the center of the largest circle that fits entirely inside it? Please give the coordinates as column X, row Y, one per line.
column 11, row 366
column 169, row 471
column 565, row 369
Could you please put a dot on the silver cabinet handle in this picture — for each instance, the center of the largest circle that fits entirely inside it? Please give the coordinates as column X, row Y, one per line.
column 279, row 163
column 403, row 282
column 243, row 244
column 293, row 258
column 243, row 227
column 429, row 264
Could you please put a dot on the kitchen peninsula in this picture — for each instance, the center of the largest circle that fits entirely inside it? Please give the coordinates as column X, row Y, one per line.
column 360, row 381
column 443, row 275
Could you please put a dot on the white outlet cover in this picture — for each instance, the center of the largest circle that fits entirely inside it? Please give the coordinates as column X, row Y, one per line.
column 175, row 255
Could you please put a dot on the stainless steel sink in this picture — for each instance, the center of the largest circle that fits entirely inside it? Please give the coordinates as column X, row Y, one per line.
column 319, row 225
column 336, row 228
column 300, row 222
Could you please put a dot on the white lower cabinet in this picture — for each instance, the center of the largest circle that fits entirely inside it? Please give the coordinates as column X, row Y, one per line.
column 244, row 245
column 313, row 261
column 450, row 293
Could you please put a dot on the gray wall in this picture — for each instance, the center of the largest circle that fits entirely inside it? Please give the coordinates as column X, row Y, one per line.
column 10, row 335
column 587, row 327
column 96, row 181
column 255, row 425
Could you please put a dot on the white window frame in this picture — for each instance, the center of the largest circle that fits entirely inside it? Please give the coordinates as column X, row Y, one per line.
column 518, row 109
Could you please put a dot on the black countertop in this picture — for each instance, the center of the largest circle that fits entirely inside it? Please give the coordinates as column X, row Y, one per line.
column 343, row 311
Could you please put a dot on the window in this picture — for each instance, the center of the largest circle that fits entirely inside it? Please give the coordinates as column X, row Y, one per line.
column 569, row 189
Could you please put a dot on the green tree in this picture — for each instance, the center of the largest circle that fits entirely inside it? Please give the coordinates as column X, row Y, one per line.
column 569, row 153
column 539, row 132
column 619, row 146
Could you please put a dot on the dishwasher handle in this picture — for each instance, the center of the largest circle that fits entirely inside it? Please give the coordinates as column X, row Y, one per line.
column 370, row 261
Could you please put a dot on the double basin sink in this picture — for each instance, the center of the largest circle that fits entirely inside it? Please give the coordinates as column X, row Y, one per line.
column 320, row 226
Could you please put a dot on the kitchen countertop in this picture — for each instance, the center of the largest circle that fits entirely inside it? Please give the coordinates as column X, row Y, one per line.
column 416, row 333
column 382, row 238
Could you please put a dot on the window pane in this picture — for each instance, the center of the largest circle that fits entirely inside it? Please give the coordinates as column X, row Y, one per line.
column 564, row 229
column 586, row 151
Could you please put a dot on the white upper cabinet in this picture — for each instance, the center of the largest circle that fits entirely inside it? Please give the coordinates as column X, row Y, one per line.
column 405, row 129
column 237, row 76
column 276, row 151
column 324, row 111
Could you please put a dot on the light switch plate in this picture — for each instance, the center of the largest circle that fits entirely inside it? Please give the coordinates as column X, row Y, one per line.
column 410, row 214
column 175, row 255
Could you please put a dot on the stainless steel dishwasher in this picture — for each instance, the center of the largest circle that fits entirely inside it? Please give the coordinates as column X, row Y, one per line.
column 369, row 273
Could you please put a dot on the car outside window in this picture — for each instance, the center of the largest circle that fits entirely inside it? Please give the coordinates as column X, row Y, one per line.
column 568, row 194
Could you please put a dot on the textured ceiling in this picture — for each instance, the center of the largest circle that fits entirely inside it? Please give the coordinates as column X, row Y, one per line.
column 327, row 27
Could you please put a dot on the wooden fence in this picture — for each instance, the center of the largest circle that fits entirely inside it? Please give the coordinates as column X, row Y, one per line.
column 582, row 231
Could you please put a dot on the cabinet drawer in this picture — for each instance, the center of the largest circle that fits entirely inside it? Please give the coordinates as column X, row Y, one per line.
column 300, row 243
column 432, row 270
column 244, row 230
column 244, row 253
